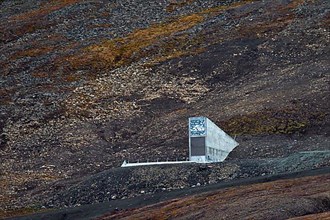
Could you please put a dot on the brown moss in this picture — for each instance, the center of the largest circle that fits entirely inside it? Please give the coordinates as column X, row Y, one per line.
column 160, row 42
column 40, row 75
column 71, row 78
column 164, row 41
column 285, row 16
column 121, row 51
column 33, row 52
column 31, row 21
column 5, row 96
column 44, row 10
column 257, row 29
column 284, row 121
column 216, row 10
column 16, row 29
column 179, row 46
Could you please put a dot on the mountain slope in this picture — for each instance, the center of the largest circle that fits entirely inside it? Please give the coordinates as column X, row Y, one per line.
column 87, row 84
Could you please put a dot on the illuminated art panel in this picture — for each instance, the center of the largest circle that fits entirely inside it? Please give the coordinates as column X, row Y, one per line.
column 197, row 126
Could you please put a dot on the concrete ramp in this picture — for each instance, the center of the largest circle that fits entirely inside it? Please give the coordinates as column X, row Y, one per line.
column 127, row 164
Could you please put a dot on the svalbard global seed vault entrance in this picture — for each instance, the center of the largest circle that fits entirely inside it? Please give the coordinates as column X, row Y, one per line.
column 207, row 144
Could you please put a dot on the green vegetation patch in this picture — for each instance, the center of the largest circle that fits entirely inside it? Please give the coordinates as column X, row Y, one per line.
column 284, row 121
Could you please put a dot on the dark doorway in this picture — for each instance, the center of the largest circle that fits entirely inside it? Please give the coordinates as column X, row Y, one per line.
column 197, row 146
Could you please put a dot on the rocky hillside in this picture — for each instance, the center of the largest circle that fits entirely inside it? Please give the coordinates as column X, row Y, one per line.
column 261, row 201
column 87, row 84
column 122, row 183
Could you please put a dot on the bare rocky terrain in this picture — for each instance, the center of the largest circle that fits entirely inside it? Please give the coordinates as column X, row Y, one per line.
column 85, row 85
column 260, row 201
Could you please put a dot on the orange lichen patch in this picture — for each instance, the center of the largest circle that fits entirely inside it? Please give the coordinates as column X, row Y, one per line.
column 71, row 78
column 175, row 4
column 40, row 75
column 160, row 42
column 16, row 29
column 121, row 51
column 173, row 55
column 285, row 16
column 54, row 38
column 33, row 52
column 179, row 46
column 44, row 10
column 258, row 29
column 31, row 21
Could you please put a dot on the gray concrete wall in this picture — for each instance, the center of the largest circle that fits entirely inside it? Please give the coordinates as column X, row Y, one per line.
column 217, row 143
